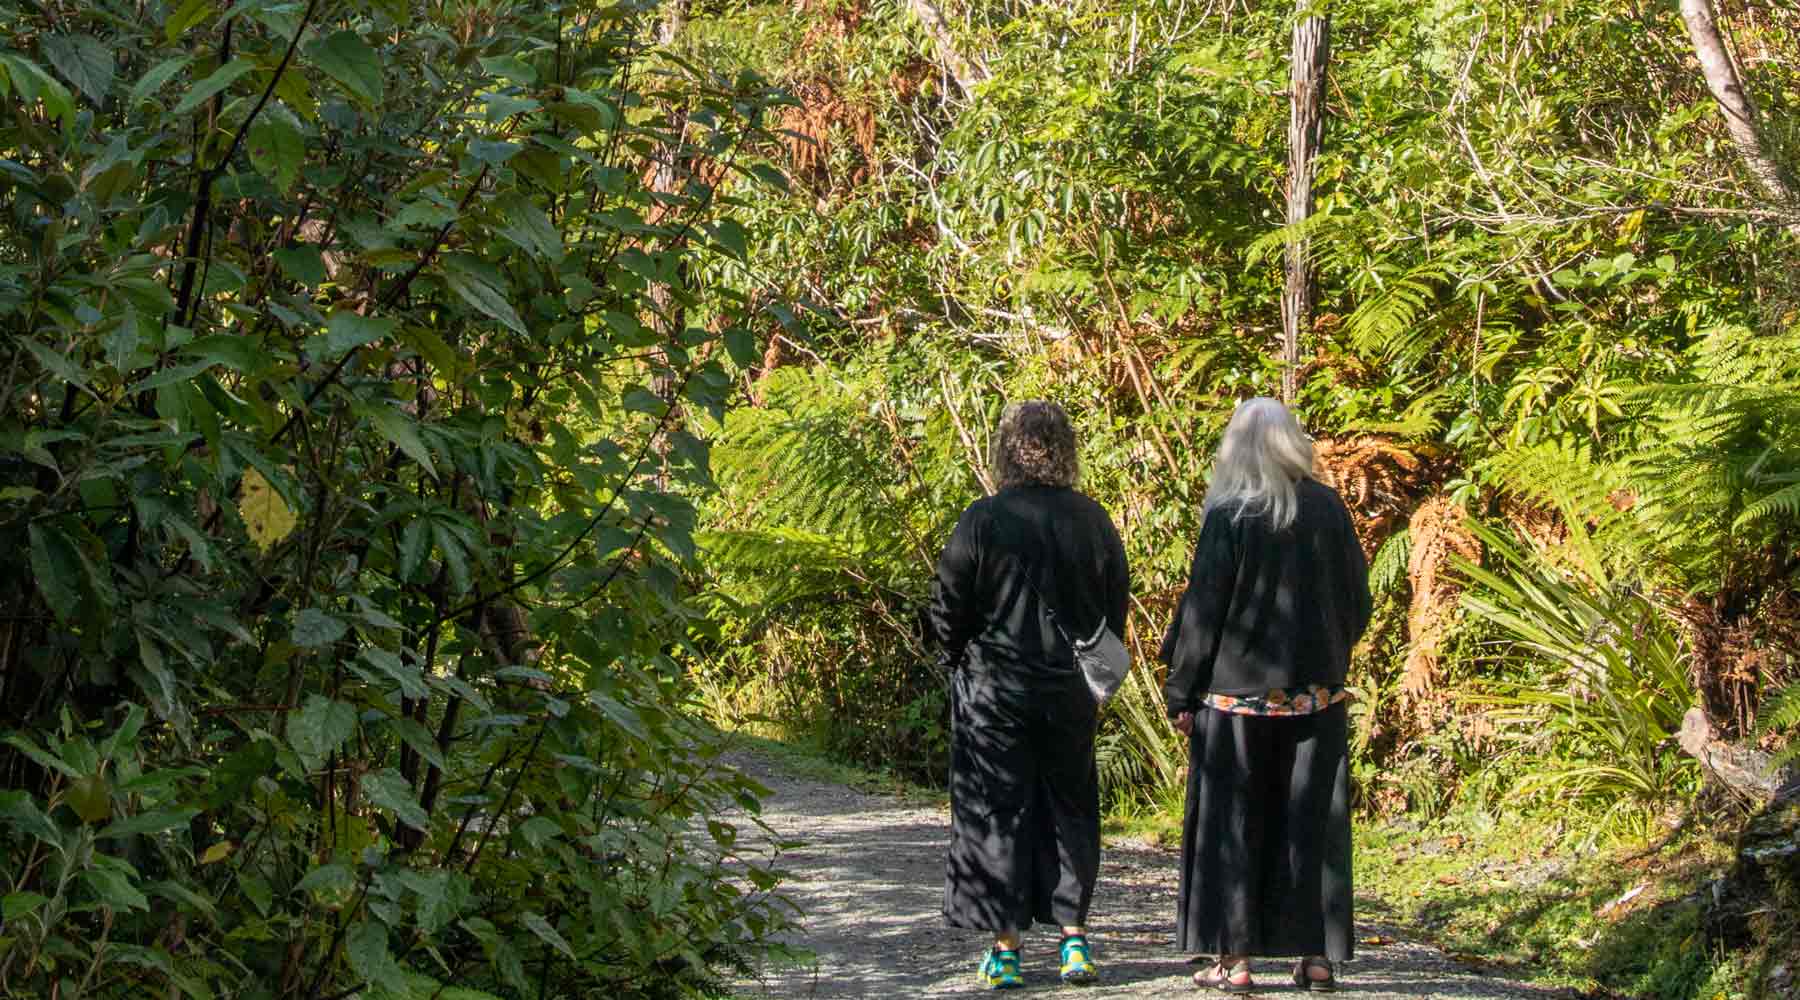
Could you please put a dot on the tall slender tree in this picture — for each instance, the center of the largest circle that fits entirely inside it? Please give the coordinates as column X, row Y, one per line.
column 1306, row 135
column 1734, row 101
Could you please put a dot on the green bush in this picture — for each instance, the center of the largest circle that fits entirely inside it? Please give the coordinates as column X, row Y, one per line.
column 347, row 358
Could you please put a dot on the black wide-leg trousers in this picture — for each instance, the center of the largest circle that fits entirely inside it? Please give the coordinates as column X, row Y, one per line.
column 1265, row 844
column 1024, row 803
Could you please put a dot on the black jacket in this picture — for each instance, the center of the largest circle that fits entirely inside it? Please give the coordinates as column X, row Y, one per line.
column 1267, row 609
column 1009, row 554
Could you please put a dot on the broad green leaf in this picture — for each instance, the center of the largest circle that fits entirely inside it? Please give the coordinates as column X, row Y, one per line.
column 415, row 542
column 398, row 428
column 58, row 364
column 114, row 889
column 538, row 925
column 410, row 679
column 276, row 149
column 150, row 822
column 90, row 796
column 327, row 878
column 439, row 894
column 741, row 345
column 510, row 68
column 347, row 330
column 215, row 82
column 83, row 61
column 189, row 14
column 528, row 227
column 320, row 727
column 314, row 629
column 303, row 264
column 349, row 60
column 733, row 237
column 20, row 903
column 235, row 351
column 492, row 152
column 157, row 77
column 181, row 895
column 57, row 569
column 42, row 757
column 34, row 84
column 420, row 739
column 468, row 283
column 367, row 948
column 388, row 790
column 266, row 515
column 22, row 813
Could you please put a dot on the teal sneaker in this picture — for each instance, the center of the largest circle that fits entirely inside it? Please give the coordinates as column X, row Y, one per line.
column 1000, row 970
column 1078, row 967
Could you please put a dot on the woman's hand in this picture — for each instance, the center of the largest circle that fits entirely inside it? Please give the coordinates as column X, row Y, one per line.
column 1184, row 723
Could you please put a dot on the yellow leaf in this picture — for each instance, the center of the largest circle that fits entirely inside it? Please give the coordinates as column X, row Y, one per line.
column 216, row 853
column 91, row 798
column 266, row 515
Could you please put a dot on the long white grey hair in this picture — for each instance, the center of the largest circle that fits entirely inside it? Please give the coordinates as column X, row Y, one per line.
column 1263, row 457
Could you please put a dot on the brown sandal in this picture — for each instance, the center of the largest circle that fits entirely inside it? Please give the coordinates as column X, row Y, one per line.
column 1303, row 977
column 1218, row 977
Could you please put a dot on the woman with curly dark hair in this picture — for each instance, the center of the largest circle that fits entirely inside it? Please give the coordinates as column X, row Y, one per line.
column 1026, row 567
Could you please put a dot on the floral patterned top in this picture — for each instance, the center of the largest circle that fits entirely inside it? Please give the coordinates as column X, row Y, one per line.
column 1281, row 701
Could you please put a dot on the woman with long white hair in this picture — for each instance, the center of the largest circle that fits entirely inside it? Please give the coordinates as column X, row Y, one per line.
column 1258, row 652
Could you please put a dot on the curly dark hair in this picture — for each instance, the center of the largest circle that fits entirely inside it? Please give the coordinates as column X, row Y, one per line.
column 1035, row 446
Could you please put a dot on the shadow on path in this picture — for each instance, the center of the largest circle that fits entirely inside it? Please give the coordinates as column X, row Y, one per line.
column 868, row 876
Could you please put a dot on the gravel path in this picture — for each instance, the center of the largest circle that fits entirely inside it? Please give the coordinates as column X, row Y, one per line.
column 869, row 877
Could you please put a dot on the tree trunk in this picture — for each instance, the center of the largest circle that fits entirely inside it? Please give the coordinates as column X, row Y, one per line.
column 1743, row 769
column 1306, row 134
column 1740, row 114
column 674, row 22
column 670, row 176
column 965, row 71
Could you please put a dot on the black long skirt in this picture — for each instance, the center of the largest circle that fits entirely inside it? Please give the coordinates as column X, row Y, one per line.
column 1024, row 805
column 1265, row 846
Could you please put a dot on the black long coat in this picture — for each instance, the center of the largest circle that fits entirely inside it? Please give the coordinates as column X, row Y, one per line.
column 1024, row 789
column 1266, row 609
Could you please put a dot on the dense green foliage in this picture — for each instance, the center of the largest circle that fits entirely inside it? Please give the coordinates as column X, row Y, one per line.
column 380, row 514
column 1554, row 315
column 346, row 362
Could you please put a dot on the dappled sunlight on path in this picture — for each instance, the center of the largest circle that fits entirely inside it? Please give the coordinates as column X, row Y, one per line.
column 869, row 876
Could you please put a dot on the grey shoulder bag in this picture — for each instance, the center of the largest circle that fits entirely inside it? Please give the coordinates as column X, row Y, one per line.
column 1102, row 657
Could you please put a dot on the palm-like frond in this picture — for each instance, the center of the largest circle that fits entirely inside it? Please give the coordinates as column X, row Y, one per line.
column 1779, row 713
column 1616, row 688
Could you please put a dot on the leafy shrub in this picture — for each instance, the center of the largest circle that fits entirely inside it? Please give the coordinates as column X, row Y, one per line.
column 344, row 355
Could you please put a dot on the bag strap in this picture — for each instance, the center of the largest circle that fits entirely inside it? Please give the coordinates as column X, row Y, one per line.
column 1044, row 602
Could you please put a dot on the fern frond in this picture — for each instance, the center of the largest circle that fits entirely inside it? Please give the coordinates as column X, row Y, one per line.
column 1781, row 711
column 1392, row 323
column 1597, row 501
column 1388, row 569
column 1421, row 420
column 1783, row 503
column 1316, row 231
